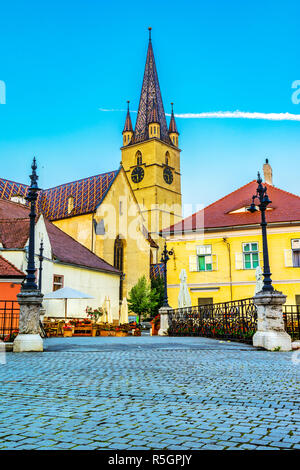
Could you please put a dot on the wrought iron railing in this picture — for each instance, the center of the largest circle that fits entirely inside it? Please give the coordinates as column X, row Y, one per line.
column 235, row 321
column 291, row 318
column 9, row 319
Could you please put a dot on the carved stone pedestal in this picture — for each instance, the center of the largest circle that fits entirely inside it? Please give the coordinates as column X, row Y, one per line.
column 29, row 338
column 164, row 321
column 271, row 334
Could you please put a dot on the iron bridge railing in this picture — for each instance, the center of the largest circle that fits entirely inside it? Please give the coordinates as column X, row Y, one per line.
column 9, row 319
column 235, row 321
column 291, row 318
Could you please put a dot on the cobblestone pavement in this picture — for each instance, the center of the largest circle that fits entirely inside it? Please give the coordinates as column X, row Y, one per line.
column 149, row 393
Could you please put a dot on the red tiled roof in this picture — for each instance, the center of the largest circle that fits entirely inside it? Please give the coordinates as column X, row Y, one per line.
column 12, row 210
column 14, row 233
column 68, row 250
column 7, row 269
column 285, row 207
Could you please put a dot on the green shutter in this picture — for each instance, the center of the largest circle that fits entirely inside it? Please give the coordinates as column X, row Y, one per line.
column 201, row 260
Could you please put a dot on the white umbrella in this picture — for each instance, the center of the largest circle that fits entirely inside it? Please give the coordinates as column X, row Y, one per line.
column 124, row 312
column 184, row 298
column 67, row 293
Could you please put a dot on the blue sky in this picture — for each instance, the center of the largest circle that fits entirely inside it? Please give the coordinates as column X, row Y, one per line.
column 63, row 60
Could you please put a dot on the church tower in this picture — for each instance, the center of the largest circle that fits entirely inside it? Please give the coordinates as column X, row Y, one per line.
column 151, row 157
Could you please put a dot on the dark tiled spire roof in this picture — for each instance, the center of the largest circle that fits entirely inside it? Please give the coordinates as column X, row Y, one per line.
column 150, row 94
column 128, row 125
column 172, row 126
column 154, row 113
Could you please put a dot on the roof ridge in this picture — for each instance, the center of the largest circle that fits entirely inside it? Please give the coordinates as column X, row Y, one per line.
column 12, row 220
column 81, row 179
column 283, row 190
column 227, row 195
column 15, row 182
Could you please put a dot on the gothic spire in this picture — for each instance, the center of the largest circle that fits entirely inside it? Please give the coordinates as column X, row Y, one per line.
column 128, row 124
column 150, row 95
column 172, row 126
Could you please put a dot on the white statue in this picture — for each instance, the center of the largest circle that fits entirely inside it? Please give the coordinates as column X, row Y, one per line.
column 184, row 298
column 259, row 279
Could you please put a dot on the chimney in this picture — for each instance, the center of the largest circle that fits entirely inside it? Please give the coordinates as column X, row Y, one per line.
column 267, row 169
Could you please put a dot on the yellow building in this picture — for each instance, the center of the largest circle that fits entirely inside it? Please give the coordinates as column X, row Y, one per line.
column 220, row 247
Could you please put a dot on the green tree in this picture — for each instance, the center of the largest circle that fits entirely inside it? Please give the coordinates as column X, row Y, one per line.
column 157, row 285
column 142, row 299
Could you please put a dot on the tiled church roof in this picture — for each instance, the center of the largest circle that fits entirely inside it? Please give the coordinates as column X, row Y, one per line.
column 87, row 194
column 150, row 96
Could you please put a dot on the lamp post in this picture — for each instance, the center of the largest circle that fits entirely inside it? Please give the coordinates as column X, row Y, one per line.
column 30, row 298
column 264, row 201
column 164, row 259
column 30, row 283
column 41, row 258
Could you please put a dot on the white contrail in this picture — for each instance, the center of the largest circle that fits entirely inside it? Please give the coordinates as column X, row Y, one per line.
column 241, row 115
column 228, row 115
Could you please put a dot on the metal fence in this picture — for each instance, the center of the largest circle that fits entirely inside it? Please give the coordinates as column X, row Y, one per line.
column 235, row 321
column 9, row 319
column 291, row 318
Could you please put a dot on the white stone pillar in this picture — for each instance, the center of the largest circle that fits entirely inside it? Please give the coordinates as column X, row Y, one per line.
column 164, row 321
column 29, row 338
column 271, row 334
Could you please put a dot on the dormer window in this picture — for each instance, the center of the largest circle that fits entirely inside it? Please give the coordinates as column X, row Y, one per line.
column 70, row 204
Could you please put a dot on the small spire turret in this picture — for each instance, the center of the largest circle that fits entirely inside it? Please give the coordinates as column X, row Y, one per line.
column 128, row 129
column 173, row 132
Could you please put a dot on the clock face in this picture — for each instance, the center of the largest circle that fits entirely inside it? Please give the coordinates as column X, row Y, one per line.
column 137, row 174
column 168, row 175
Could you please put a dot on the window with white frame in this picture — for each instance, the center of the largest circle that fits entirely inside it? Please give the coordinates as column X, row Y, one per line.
column 250, row 255
column 292, row 257
column 58, row 282
column 204, row 260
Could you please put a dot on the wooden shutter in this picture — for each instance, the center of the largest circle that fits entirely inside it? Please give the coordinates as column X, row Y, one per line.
column 239, row 261
column 288, row 257
column 193, row 263
column 214, row 262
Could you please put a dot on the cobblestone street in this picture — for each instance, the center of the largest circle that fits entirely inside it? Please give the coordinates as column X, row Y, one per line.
column 149, row 393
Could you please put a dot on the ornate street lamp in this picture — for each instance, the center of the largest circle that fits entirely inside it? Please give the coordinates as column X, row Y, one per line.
column 164, row 259
column 29, row 283
column 41, row 258
column 264, row 201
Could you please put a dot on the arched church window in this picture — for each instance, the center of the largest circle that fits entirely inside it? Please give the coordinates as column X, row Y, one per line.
column 167, row 158
column 119, row 260
column 70, row 204
column 139, row 158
